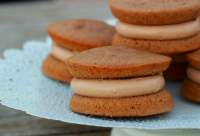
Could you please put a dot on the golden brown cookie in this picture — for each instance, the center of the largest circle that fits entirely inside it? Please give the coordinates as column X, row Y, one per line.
column 191, row 90
column 139, row 106
column 56, row 69
column 176, row 71
column 165, row 47
column 81, row 34
column 116, row 62
column 194, row 59
column 155, row 12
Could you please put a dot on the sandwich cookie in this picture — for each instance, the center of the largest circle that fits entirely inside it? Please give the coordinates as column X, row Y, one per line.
column 169, row 27
column 70, row 37
column 119, row 81
column 191, row 86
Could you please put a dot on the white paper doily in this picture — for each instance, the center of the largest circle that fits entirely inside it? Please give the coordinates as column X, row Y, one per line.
column 24, row 87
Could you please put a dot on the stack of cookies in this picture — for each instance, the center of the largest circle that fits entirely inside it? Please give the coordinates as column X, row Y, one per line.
column 70, row 37
column 169, row 27
column 191, row 86
column 119, row 81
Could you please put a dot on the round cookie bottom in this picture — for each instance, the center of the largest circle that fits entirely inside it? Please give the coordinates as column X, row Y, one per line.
column 56, row 69
column 193, row 59
column 139, row 106
column 191, row 91
column 176, row 71
column 156, row 46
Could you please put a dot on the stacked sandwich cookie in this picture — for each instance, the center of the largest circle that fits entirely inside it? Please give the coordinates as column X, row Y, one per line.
column 70, row 37
column 191, row 86
column 119, row 81
column 168, row 27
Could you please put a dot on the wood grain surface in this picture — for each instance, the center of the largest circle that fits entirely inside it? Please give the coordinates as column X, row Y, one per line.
column 24, row 21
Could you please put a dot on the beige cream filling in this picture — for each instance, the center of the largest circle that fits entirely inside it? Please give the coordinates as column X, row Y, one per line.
column 118, row 88
column 193, row 74
column 60, row 53
column 165, row 32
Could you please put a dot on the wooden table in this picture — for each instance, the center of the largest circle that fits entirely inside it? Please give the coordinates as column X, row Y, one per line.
column 24, row 21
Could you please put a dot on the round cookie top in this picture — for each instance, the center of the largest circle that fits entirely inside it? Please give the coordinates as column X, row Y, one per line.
column 194, row 59
column 116, row 62
column 155, row 12
column 81, row 34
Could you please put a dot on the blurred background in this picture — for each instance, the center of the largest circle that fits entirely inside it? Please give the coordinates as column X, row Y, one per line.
column 23, row 20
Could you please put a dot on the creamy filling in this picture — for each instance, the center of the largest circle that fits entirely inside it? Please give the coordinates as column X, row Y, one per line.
column 193, row 74
column 118, row 88
column 165, row 32
column 60, row 53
